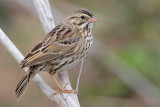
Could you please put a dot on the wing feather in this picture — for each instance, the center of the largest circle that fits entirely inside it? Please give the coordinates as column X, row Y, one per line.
column 53, row 46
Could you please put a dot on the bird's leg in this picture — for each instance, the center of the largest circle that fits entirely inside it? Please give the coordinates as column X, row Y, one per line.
column 54, row 79
column 60, row 90
column 66, row 85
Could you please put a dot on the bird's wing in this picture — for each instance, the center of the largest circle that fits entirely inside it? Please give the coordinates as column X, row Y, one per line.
column 59, row 43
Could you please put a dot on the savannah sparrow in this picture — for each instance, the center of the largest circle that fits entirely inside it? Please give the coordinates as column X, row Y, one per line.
column 66, row 45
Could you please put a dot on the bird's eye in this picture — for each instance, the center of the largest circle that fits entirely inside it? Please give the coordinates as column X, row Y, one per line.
column 82, row 17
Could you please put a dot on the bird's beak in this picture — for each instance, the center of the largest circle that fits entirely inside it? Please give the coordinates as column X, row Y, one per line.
column 93, row 20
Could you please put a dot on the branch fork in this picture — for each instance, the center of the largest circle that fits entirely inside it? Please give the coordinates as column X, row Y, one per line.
column 62, row 99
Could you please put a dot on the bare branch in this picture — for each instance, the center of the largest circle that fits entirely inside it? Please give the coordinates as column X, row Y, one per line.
column 63, row 99
column 148, row 92
column 18, row 56
column 44, row 13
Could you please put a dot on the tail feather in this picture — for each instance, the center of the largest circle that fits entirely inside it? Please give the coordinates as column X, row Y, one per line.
column 22, row 85
column 18, row 85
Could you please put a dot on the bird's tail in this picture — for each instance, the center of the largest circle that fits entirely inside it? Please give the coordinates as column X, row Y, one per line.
column 22, row 85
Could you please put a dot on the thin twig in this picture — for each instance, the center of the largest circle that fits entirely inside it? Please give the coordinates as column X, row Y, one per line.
column 79, row 75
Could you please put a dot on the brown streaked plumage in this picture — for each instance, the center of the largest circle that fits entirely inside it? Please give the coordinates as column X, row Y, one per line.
column 61, row 49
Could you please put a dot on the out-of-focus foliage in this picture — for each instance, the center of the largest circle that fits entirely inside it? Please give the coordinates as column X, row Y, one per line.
column 131, row 28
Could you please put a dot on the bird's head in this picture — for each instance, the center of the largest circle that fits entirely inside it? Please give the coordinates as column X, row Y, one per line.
column 82, row 18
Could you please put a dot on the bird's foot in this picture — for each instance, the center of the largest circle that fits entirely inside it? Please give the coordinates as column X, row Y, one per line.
column 63, row 90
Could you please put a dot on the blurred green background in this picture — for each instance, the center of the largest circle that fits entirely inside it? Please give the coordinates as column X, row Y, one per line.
column 123, row 68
